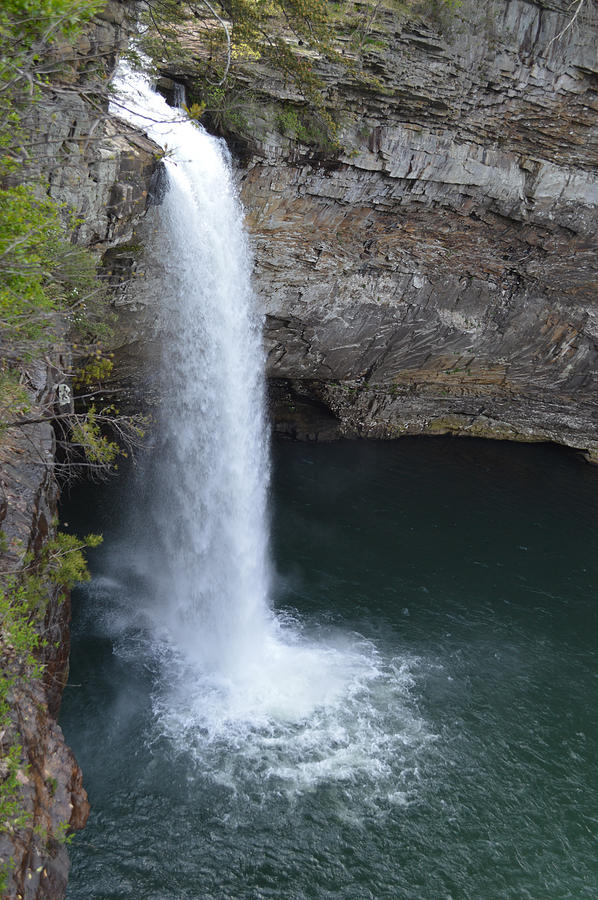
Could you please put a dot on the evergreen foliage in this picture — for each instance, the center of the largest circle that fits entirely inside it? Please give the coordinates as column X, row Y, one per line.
column 47, row 283
column 41, row 272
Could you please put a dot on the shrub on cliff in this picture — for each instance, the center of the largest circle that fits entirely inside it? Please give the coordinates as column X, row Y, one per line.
column 44, row 280
column 47, row 284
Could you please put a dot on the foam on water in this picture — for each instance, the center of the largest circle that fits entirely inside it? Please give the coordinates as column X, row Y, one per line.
column 313, row 714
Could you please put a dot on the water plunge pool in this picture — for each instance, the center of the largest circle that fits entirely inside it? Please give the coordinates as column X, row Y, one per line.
column 450, row 588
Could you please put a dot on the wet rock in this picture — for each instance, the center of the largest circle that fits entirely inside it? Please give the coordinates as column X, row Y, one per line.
column 158, row 185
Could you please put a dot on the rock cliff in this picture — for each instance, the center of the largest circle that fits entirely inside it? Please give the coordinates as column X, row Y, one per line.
column 49, row 777
column 439, row 273
column 102, row 172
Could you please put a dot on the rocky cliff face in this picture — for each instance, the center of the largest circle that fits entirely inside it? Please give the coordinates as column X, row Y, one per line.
column 49, row 777
column 102, row 172
column 96, row 166
column 438, row 275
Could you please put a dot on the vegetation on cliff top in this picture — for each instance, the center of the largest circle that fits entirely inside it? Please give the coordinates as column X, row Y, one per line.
column 216, row 42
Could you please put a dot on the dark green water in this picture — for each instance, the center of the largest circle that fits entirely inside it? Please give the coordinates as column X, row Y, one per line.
column 461, row 759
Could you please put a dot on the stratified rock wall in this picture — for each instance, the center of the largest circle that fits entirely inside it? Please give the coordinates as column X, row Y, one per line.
column 440, row 274
column 94, row 165
column 102, row 172
column 50, row 780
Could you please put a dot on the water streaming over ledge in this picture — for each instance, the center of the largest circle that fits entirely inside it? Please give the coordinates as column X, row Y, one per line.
column 211, row 494
column 300, row 706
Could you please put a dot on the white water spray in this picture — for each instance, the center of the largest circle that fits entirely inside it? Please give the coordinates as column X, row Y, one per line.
column 231, row 670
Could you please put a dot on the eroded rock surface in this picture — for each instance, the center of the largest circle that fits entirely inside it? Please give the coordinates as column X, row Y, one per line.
column 440, row 274
column 96, row 166
column 51, row 792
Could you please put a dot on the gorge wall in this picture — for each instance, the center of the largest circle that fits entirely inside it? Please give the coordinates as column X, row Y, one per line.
column 102, row 172
column 439, row 274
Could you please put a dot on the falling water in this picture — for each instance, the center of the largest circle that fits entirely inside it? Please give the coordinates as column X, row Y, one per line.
column 230, row 668
column 211, row 493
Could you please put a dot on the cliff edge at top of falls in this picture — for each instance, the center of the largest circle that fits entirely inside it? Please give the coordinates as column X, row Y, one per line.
column 438, row 273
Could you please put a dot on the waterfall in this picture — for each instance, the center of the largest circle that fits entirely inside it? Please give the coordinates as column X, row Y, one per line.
column 211, row 495
column 236, row 684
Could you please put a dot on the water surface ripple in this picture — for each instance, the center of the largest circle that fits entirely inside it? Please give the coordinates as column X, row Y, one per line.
column 456, row 581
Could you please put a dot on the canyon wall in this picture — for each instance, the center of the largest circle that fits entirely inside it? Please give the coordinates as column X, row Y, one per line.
column 102, row 171
column 439, row 273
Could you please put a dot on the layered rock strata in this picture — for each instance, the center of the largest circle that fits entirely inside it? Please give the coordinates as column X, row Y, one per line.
column 102, row 172
column 439, row 274
column 96, row 167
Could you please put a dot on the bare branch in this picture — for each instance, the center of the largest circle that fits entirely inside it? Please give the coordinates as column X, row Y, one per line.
column 228, row 41
column 570, row 24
